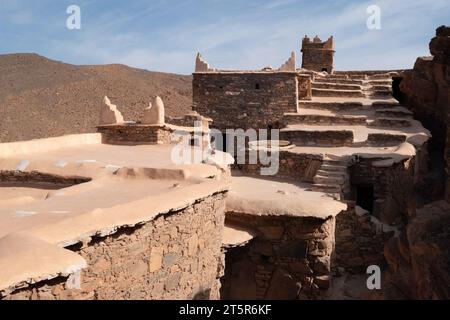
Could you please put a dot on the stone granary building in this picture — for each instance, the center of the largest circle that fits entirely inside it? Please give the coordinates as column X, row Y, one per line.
column 111, row 215
column 318, row 55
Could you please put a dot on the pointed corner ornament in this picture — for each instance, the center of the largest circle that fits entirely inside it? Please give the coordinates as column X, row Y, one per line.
column 290, row 64
column 201, row 65
column 155, row 113
column 109, row 114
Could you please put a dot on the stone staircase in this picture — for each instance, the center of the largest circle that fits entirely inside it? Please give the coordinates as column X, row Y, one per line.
column 333, row 178
column 373, row 119
column 355, row 86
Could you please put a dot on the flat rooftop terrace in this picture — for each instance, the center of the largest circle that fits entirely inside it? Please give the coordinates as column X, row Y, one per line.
column 123, row 184
column 278, row 197
column 56, row 192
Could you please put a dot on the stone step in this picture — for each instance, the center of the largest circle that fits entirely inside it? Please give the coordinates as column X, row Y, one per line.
column 331, row 106
column 381, row 76
column 382, row 87
column 389, row 122
column 384, row 140
column 393, row 113
column 326, row 188
column 335, row 86
column 318, row 119
column 359, row 76
column 333, row 168
column 385, row 104
column 325, row 138
column 336, row 163
column 380, row 82
column 380, row 93
column 326, row 173
column 336, row 93
column 339, row 81
column 329, row 180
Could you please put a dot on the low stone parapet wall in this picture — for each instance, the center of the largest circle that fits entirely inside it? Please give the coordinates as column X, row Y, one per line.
column 295, row 166
column 135, row 134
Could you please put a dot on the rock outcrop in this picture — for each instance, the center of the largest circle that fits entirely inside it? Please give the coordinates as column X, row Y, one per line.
column 425, row 90
column 419, row 258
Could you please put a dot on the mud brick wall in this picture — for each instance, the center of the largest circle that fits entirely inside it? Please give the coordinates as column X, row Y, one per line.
column 359, row 242
column 255, row 100
column 332, row 138
column 135, row 134
column 288, row 259
column 298, row 167
column 175, row 256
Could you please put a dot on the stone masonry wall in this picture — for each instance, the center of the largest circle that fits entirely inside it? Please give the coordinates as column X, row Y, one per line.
column 304, row 87
column 318, row 56
column 174, row 256
column 135, row 134
column 393, row 188
column 298, row 167
column 288, row 259
column 255, row 100
column 359, row 242
column 331, row 138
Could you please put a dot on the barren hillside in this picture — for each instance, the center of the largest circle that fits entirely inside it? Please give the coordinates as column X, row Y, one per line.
column 42, row 98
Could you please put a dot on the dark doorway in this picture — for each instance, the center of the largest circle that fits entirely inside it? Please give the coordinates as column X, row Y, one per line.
column 325, row 69
column 396, row 92
column 364, row 197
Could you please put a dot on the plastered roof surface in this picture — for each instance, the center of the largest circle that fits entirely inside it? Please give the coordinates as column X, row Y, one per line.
column 128, row 185
column 257, row 196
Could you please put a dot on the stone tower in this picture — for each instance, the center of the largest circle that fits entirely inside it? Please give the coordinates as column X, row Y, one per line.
column 318, row 55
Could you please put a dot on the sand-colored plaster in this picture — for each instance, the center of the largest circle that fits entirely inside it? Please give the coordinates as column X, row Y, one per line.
column 234, row 236
column 128, row 186
column 277, row 197
column 27, row 259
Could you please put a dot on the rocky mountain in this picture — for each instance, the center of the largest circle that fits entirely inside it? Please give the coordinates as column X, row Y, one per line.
column 42, row 98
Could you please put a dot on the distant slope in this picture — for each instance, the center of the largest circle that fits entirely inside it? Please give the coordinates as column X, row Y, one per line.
column 43, row 98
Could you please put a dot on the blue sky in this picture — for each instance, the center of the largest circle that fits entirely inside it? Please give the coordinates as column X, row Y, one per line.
column 165, row 35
